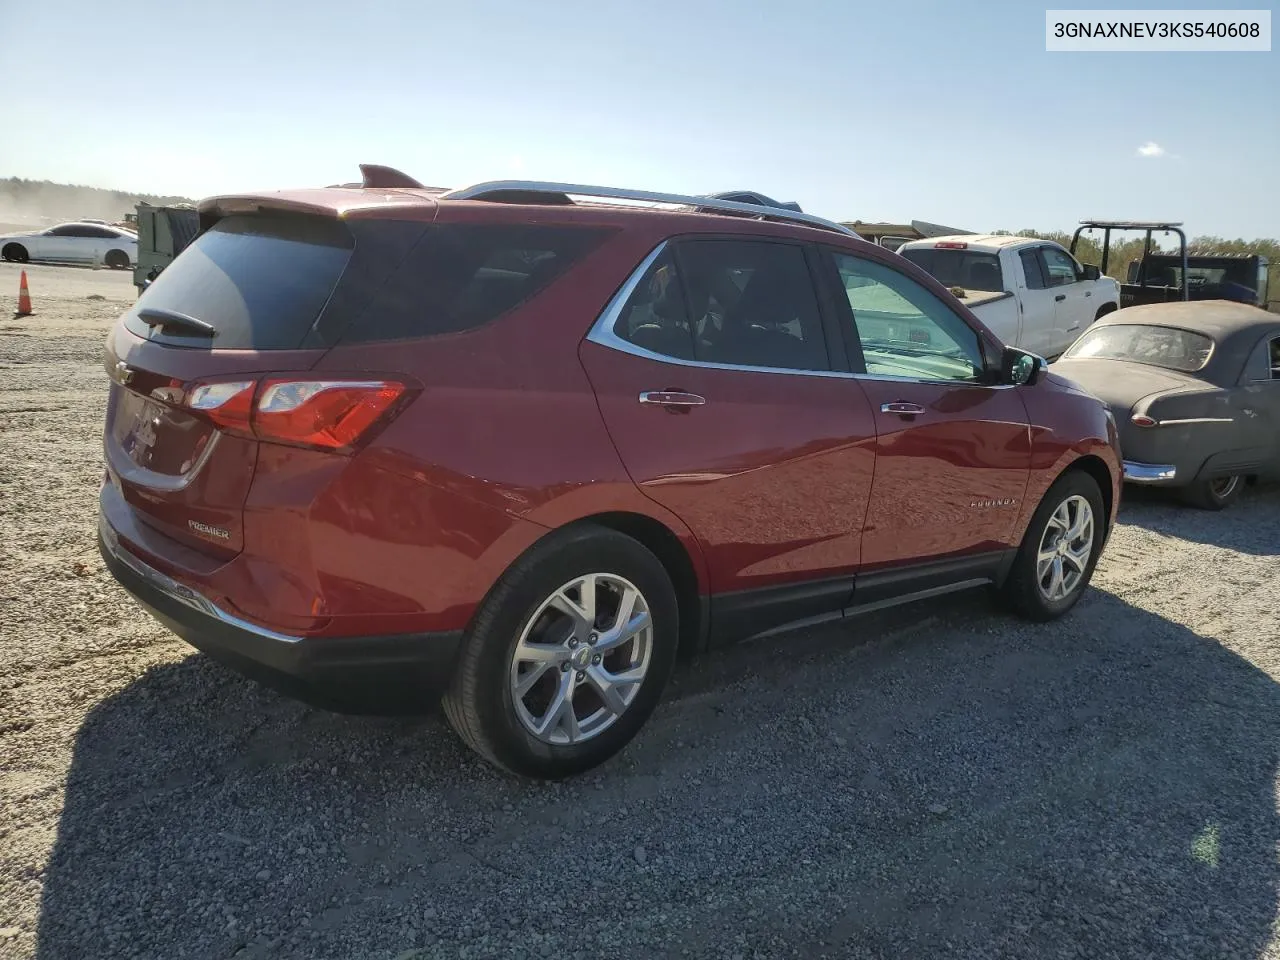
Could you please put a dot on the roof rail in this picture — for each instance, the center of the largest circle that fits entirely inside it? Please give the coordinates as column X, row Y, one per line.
column 534, row 191
column 750, row 196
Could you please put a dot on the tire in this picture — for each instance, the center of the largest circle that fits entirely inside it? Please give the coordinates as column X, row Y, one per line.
column 1104, row 311
column 1025, row 589
column 483, row 704
column 1216, row 494
column 116, row 260
column 15, row 253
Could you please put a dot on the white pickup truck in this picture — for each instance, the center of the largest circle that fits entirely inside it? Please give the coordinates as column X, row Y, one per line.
column 1030, row 293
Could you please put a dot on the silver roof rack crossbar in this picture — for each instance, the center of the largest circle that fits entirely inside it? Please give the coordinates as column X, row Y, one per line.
column 534, row 191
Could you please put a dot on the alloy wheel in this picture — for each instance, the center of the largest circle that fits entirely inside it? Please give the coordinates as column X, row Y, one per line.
column 1065, row 548
column 581, row 659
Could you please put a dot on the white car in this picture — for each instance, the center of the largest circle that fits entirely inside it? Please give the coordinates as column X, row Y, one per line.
column 79, row 242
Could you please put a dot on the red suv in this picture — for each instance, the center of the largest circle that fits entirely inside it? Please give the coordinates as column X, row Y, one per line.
column 519, row 448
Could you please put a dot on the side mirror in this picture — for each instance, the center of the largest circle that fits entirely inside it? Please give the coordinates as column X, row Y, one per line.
column 1019, row 368
column 1091, row 272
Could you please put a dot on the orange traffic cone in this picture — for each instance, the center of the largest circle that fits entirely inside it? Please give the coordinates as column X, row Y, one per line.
column 24, row 297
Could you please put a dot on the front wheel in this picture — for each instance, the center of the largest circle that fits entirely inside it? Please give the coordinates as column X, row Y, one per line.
column 1216, row 494
column 117, row 260
column 567, row 656
column 1059, row 550
column 15, row 253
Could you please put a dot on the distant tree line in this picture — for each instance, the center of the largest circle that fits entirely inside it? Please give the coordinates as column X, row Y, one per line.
column 43, row 199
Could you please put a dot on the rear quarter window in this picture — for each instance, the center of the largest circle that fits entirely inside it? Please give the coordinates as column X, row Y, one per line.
column 461, row 276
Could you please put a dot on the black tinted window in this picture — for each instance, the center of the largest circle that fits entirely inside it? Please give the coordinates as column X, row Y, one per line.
column 655, row 317
column 460, row 276
column 751, row 303
column 959, row 268
column 70, row 231
column 261, row 281
column 1033, row 270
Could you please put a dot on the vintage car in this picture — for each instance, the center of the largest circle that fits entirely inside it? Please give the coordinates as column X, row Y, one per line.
column 1195, row 390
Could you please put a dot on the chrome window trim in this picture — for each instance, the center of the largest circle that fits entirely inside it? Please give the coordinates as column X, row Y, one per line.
column 602, row 333
column 1170, row 423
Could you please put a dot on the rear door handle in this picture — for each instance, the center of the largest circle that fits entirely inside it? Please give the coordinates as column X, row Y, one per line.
column 902, row 409
column 1060, row 297
column 672, row 398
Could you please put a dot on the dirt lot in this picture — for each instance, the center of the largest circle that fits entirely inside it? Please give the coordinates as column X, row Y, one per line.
column 945, row 782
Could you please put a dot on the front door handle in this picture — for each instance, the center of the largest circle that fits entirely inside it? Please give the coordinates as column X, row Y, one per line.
column 902, row 408
column 1060, row 297
column 672, row 398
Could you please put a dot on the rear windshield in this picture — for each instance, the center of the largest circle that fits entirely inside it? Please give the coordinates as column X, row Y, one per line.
column 260, row 281
column 959, row 268
column 1165, row 347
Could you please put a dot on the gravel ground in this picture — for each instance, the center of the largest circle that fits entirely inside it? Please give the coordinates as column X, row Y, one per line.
column 940, row 782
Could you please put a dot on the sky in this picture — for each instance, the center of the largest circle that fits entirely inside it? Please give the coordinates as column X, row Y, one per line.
column 951, row 112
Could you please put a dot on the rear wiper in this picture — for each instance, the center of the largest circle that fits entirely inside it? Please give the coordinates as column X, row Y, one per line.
column 166, row 319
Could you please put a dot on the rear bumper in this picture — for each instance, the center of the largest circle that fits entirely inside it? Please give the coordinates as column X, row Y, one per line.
column 375, row 674
column 1150, row 473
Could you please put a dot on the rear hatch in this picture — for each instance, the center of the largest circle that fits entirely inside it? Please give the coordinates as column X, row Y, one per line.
column 256, row 294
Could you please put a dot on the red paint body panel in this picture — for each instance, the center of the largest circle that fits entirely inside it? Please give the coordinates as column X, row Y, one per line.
column 166, row 496
column 1066, row 424
column 522, row 427
column 950, row 481
column 772, row 474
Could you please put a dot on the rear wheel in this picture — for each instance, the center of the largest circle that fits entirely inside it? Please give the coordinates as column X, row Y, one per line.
column 1216, row 494
column 14, row 253
column 1059, row 550
column 117, row 260
column 568, row 655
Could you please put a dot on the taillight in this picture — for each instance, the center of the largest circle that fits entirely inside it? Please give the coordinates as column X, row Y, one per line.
column 1142, row 420
column 332, row 414
column 329, row 414
column 951, row 245
column 228, row 405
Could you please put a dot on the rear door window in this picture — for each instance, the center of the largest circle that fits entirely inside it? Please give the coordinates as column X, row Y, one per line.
column 752, row 303
column 260, row 281
column 741, row 303
column 1033, row 268
column 655, row 317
